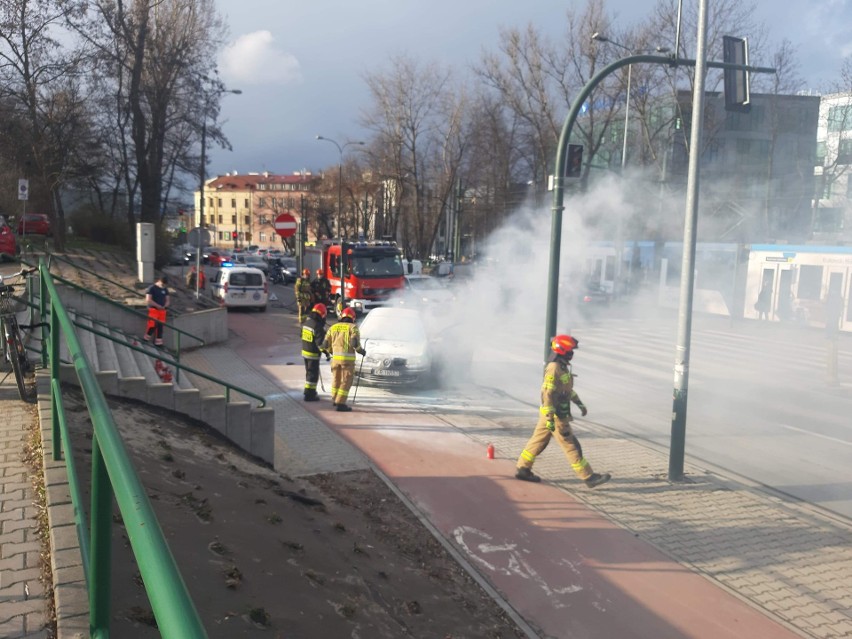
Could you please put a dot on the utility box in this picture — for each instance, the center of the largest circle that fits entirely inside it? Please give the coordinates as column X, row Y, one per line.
column 145, row 251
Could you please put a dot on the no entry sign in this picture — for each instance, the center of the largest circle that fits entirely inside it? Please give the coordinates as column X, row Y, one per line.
column 285, row 225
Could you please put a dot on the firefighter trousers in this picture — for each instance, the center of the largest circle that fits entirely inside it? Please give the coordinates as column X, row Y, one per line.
column 342, row 374
column 569, row 443
column 311, row 375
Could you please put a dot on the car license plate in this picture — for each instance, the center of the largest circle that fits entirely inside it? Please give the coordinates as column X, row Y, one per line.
column 386, row 372
column 238, row 296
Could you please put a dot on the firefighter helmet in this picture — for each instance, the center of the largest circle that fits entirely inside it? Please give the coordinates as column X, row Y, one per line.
column 306, row 272
column 348, row 312
column 563, row 344
column 320, row 310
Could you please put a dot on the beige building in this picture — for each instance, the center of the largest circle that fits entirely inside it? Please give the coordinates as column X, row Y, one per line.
column 240, row 210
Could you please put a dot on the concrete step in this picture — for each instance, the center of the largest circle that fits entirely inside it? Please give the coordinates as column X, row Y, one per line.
column 126, row 372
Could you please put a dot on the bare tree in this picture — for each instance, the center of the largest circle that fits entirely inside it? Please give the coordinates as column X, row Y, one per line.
column 40, row 90
column 154, row 54
column 421, row 123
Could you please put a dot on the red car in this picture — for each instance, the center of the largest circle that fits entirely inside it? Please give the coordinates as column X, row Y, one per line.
column 8, row 245
column 35, row 223
column 215, row 258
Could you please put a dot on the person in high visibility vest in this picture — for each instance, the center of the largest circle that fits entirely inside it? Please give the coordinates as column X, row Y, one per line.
column 304, row 295
column 313, row 334
column 343, row 340
column 557, row 395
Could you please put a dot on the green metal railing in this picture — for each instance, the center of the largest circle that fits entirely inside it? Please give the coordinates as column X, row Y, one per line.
column 113, row 476
column 176, row 363
column 133, row 311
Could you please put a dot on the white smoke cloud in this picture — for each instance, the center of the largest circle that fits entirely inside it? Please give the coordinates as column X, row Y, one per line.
column 254, row 58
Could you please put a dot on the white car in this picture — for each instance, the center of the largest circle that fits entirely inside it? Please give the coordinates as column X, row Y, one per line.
column 397, row 345
column 240, row 286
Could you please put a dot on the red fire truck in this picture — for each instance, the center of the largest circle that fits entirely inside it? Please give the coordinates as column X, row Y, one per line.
column 373, row 271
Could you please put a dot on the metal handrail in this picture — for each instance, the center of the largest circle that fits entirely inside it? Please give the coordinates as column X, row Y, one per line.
column 176, row 363
column 113, row 475
column 178, row 331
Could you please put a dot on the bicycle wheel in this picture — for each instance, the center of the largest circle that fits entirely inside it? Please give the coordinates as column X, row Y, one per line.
column 20, row 362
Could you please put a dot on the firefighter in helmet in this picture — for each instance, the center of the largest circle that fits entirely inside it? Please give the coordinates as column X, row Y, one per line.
column 557, row 395
column 321, row 288
column 313, row 334
column 303, row 294
column 343, row 340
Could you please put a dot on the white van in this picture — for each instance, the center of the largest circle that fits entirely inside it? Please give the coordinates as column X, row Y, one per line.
column 241, row 286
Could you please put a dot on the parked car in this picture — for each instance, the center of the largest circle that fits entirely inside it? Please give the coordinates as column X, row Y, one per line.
column 215, row 258
column 255, row 261
column 8, row 244
column 398, row 348
column 34, row 224
column 240, row 286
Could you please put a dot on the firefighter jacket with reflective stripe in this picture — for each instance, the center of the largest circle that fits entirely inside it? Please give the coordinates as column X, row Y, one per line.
column 557, row 391
column 313, row 334
column 303, row 291
column 343, row 340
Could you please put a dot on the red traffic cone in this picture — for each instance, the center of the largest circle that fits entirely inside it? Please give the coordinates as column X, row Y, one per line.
column 489, row 452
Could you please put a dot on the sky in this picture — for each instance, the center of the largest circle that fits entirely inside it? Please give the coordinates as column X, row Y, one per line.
column 301, row 65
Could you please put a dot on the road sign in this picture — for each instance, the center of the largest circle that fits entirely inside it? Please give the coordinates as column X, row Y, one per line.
column 192, row 237
column 23, row 189
column 285, row 225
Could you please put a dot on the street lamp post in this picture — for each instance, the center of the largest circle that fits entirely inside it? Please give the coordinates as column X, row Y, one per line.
column 340, row 149
column 201, row 171
column 619, row 240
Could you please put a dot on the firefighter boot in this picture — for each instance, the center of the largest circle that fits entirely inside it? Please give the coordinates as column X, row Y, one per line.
column 597, row 479
column 311, row 395
column 525, row 474
column 343, row 408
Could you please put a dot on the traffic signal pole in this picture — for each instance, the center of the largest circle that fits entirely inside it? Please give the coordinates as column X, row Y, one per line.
column 559, row 178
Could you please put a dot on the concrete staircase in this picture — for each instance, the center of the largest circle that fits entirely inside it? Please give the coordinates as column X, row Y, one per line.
column 124, row 372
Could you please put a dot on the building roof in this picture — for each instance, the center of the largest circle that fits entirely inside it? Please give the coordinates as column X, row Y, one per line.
column 251, row 181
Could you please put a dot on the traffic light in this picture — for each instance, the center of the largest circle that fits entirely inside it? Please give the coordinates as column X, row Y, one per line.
column 233, row 235
column 574, row 166
column 737, row 89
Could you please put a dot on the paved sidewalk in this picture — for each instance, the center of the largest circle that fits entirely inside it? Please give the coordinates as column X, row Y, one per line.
column 789, row 562
column 715, row 556
column 22, row 601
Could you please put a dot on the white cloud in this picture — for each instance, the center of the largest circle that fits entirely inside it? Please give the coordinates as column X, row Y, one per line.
column 254, row 58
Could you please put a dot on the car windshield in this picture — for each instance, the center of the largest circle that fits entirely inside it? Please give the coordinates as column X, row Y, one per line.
column 405, row 327
column 377, row 265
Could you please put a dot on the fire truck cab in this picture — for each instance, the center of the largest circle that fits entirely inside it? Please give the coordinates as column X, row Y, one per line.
column 373, row 271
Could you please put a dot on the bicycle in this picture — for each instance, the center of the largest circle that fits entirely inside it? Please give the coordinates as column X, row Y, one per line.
column 14, row 350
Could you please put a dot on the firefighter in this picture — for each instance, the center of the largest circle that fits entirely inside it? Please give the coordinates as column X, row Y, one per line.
column 557, row 394
column 321, row 288
column 190, row 279
column 303, row 294
column 343, row 340
column 313, row 334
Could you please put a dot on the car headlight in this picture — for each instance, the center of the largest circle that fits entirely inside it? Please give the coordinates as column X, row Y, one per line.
column 372, row 361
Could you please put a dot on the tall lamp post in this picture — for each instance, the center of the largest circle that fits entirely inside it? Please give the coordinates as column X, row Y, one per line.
column 201, row 170
column 340, row 149
column 599, row 37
